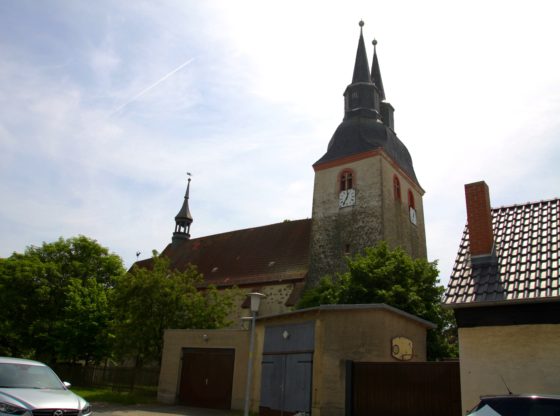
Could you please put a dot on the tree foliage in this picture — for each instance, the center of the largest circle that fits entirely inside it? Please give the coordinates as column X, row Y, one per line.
column 54, row 300
column 382, row 275
column 148, row 300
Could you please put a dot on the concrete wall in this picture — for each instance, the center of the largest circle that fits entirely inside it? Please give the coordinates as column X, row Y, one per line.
column 177, row 339
column 526, row 356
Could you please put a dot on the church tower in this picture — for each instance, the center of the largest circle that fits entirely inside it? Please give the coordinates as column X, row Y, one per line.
column 365, row 187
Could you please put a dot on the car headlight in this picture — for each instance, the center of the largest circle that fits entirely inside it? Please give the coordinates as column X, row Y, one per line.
column 86, row 410
column 9, row 409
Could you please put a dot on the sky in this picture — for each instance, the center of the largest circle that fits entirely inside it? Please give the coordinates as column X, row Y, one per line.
column 105, row 106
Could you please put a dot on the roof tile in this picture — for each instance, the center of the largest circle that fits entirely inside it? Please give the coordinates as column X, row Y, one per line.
column 254, row 256
column 526, row 240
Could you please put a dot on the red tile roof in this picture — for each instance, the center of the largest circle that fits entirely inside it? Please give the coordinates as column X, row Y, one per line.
column 527, row 243
column 269, row 254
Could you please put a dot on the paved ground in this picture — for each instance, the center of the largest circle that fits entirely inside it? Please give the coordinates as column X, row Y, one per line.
column 157, row 410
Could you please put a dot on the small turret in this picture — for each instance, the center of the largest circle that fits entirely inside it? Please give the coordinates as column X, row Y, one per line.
column 385, row 107
column 183, row 219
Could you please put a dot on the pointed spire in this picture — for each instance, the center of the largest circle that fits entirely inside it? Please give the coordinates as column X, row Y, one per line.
column 361, row 98
column 183, row 219
column 361, row 67
column 376, row 73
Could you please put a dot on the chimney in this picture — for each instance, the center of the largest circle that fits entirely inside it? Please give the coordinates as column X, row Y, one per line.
column 479, row 220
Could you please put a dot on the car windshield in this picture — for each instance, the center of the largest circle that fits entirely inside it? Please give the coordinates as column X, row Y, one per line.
column 519, row 406
column 16, row 375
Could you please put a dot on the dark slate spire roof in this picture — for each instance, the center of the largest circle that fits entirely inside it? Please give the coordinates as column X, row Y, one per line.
column 183, row 219
column 527, row 243
column 361, row 66
column 376, row 73
column 362, row 129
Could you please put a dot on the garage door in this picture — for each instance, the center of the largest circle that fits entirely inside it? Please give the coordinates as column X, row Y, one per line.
column 207, row 377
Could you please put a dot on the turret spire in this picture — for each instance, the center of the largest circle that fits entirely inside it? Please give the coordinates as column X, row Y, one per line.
column 376, row 73
column 361, row 98
column 183, row 219
column 361, row 67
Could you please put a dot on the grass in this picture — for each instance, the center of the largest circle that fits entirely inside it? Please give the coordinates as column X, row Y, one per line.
column 144, row 395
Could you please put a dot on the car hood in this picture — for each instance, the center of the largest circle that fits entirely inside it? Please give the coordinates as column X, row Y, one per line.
column 42, row 398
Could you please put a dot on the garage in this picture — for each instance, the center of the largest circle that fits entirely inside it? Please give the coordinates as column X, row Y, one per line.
column 207, row 377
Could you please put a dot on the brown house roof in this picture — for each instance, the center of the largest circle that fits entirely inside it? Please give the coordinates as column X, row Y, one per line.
column 527, row 245
column 254, row 256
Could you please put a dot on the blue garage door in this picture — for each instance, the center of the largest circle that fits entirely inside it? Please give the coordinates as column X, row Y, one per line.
column 287, row 370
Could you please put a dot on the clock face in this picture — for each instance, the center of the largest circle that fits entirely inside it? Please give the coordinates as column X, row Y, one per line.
column 351, row 197
column 412, row 215
column 342, row 198
column 347, row 198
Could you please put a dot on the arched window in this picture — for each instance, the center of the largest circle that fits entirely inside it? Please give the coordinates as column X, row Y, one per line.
column 396, row 188
column 411, row 200
column 346, row 180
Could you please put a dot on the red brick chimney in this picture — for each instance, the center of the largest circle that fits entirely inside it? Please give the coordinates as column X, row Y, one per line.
column 479, row 219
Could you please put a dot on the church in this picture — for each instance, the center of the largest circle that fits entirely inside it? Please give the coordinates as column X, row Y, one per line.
column 365, row 191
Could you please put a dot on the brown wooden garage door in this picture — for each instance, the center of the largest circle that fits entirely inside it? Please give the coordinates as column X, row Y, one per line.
column 404, row 389
column 207, row 377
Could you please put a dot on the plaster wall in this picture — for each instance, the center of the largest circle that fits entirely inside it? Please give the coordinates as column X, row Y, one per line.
column 176, row 339
column 526, row 356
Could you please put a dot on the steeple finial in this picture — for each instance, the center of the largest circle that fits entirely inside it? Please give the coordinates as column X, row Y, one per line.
column 376, row 73
column 183, row 219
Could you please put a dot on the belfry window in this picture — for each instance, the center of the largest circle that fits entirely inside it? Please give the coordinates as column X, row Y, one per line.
column 396, row 188
column 411, row 200
column 346, row 180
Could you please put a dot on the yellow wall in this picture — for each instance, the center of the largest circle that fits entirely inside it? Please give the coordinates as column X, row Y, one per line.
column 353, row 333
column 526, row 356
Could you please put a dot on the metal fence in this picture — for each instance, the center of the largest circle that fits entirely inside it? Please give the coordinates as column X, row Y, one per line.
column 117, row 378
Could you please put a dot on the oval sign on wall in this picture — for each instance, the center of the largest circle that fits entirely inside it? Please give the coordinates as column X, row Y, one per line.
column 402, row 349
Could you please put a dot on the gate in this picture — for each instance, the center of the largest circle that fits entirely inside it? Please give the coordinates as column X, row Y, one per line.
column 207, row 377
column 287, row 370
column 403, row 389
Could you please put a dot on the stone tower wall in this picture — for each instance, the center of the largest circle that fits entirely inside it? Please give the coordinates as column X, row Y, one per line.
column 339, row 232
column 399, row 231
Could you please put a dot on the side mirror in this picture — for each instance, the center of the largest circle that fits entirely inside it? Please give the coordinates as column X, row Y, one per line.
column 66, row 384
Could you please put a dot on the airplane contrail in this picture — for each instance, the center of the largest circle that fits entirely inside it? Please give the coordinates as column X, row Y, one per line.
column 155, row 84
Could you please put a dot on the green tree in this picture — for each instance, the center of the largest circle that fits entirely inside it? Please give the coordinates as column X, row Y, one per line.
column 382, row 275
column 54, row 300
column 148, row 300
